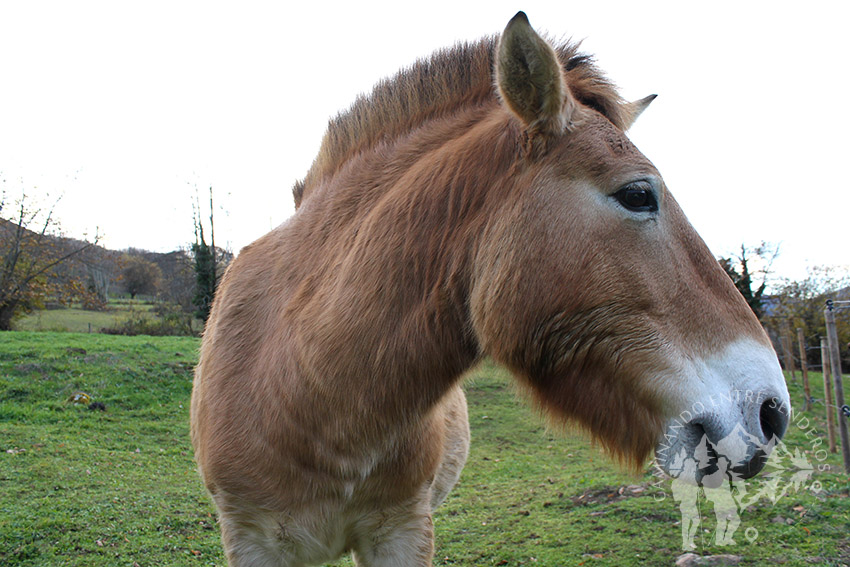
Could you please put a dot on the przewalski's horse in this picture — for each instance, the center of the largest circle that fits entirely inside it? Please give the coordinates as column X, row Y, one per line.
column 445, row 220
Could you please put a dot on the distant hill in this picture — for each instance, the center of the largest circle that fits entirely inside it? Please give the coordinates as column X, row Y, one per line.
column 99, row 269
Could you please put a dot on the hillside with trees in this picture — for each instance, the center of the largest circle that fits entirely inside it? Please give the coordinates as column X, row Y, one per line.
column 41, row 269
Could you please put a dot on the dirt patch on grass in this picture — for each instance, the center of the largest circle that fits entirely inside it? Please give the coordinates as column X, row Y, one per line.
column 608, row 494
column 31, row 368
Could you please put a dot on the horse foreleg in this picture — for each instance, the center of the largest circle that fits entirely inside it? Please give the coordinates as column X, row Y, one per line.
column 248, row 546
column 402, row 537
column 455, row 446
column 257, row 537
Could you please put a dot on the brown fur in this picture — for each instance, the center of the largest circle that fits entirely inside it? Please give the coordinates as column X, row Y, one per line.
column 426, row 238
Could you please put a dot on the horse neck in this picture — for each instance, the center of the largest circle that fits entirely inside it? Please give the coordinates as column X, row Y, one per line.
column 399, row 227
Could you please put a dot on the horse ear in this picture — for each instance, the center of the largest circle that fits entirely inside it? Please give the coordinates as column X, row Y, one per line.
column 635, row 109
column 530, row 79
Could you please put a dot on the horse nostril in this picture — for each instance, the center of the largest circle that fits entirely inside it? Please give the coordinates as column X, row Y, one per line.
column 774, row 419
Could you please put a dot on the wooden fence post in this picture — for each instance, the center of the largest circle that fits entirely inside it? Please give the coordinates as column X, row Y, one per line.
column 804, row 368
column 827, row 396
column 835, row 364
column 786, row 349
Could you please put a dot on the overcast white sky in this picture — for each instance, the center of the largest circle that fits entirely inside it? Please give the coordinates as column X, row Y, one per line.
column 125, row 108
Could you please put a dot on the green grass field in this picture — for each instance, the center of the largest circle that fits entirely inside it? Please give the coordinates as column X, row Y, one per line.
column 77, row 320
column 118, row 487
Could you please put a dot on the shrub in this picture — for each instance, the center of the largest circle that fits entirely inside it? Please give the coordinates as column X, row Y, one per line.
column 141, row 324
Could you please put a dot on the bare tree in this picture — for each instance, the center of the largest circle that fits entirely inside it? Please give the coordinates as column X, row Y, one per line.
column 31, row 248
column 100, row 278
column 800, row 304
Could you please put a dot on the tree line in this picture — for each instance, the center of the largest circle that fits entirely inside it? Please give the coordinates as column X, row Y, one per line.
column 40, row 268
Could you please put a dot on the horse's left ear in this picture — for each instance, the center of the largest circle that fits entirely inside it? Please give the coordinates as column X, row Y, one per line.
column 530, row 79
column 635, row 109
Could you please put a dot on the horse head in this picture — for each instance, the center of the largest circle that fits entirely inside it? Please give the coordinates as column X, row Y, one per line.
column 591, row 285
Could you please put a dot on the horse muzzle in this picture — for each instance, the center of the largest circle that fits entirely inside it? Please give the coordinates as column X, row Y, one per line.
column 724, row 441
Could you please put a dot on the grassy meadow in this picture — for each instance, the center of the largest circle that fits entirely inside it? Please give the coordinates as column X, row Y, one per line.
column 88, row 487
column 75, row 319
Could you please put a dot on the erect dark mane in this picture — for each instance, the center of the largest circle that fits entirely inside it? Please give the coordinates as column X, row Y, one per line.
column 448, row 80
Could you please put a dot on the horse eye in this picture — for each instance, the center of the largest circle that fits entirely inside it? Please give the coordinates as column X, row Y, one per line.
column 637, row 197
